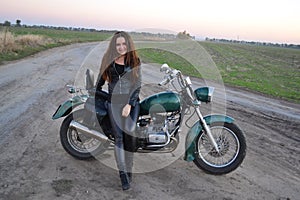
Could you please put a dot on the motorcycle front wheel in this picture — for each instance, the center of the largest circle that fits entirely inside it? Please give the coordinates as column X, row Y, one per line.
column 78, row 144
column 232, row 149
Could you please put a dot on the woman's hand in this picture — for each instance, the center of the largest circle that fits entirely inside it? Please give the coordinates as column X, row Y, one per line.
column 126, row 110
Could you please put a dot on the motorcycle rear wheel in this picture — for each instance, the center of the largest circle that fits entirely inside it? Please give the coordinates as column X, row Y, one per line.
column 232, row 149
column 77, row 144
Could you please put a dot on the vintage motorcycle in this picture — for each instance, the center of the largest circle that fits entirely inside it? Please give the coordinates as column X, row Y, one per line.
column 214, row 142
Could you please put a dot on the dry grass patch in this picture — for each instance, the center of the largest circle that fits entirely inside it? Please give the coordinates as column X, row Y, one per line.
column 12, row 43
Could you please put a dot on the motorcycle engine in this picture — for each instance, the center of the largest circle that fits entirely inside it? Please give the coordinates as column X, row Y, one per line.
column 154, row 130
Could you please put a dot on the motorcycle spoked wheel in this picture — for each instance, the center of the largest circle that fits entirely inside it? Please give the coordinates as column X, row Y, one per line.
column 77, row 144
column 232, row 144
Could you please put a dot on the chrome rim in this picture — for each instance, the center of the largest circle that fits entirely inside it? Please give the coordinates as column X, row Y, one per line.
column 80, row 142
column 228, row 143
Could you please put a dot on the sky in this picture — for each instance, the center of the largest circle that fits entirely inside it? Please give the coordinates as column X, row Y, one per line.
column 276, row 21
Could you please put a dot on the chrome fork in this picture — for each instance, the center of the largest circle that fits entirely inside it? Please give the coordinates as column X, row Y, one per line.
column 207, row 129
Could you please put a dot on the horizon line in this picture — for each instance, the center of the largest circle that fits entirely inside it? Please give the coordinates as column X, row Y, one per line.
column 196, row 37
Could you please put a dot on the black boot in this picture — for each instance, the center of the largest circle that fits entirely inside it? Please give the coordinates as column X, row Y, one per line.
column 129, row 174
column 124, row 180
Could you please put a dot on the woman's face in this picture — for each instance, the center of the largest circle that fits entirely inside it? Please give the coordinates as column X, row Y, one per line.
column 121, row 45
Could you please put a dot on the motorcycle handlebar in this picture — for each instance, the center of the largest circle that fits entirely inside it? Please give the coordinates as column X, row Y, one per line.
column 164, row 82
column 172, row 74
column 183, row 83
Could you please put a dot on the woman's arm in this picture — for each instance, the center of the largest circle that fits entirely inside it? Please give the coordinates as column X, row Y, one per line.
column 100, row 83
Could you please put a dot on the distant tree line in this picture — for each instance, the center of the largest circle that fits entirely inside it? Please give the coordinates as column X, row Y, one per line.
column 164, row 36
column 184, row 35
column 254, row 43
column 18, row 24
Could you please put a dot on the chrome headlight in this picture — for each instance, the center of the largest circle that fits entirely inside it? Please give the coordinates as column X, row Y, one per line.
column 204, row 94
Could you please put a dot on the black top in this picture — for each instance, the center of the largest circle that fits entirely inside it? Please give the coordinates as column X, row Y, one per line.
column 121, row 88
column 119, row 68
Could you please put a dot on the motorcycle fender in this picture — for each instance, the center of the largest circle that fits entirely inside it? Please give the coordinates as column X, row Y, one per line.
column 190, row 142
column 65, row 108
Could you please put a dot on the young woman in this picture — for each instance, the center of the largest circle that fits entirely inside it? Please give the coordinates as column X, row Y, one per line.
column 120, row 67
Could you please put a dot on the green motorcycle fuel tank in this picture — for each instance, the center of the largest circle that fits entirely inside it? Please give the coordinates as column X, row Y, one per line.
column 160, row 102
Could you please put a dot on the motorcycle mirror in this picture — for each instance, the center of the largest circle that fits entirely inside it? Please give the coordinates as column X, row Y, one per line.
column 165, row 68
column 71, row 89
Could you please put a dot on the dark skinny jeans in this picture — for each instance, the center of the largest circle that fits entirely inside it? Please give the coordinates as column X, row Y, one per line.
column 121, row 126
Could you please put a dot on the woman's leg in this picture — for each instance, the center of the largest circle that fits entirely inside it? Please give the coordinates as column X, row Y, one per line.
column 130, row 138
column 116, row 122
column 124, row 148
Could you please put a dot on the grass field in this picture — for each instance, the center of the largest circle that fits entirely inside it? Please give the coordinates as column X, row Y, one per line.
column 273, row 71
column 63, row 35
column 19, row 42
column 270, row 70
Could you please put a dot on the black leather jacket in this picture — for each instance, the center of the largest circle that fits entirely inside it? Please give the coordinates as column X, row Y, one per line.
column 123, row 88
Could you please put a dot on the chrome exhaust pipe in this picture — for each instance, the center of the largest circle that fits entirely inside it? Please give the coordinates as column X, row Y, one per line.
column 162, row 150
column 93, row 133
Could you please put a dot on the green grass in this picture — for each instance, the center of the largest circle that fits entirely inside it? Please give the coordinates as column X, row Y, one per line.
column 270, row 70
column 63, row 36
column 159, row 56
column 185, row 55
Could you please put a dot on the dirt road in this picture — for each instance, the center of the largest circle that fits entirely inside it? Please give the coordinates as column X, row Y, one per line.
column 34, row 165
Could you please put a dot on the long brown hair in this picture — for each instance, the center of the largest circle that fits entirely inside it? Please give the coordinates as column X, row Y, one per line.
column 131, row 57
